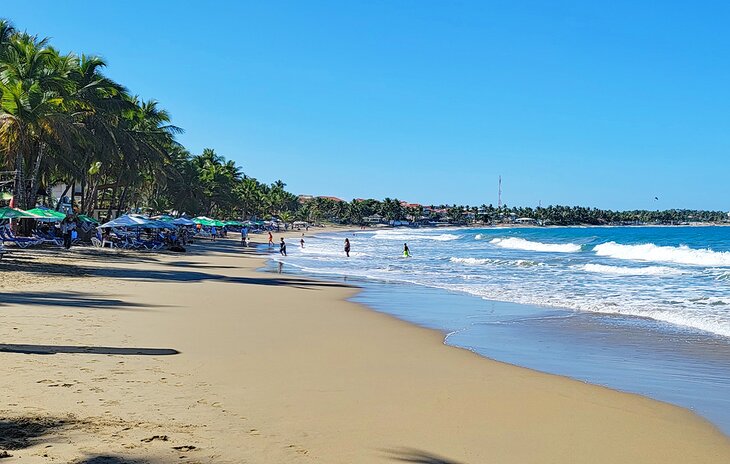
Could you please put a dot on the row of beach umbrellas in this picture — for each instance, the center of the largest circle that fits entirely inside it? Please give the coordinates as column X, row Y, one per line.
column 39, row 214
column 128, row 220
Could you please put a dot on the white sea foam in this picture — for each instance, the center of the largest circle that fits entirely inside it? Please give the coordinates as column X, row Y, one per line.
column 620, row 270
column 483, row 261
column 478, row 237
column 405, row 236
column 522, row 244
column 470, row 261
column 684, row 313
column 664, row 254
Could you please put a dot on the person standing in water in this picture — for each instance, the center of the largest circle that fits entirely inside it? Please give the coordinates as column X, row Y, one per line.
column 301, row 242
column 406, row 251
column 282, row 247
column 347, row 247
column 271, row 240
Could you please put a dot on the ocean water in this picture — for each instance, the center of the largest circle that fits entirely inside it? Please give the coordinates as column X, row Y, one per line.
column 640, row 309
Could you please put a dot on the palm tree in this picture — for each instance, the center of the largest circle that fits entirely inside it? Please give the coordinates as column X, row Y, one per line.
column 34, row 87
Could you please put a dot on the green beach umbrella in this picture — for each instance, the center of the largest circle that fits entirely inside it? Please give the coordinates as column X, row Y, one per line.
column 46, row 213
column 202, row 220
column 86, row 218
column 14, row 213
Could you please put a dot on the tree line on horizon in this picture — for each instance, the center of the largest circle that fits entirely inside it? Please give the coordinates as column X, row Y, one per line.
column 64, row 122
column 358, row 211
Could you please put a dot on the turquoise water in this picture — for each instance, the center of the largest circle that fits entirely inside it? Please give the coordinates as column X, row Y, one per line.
column 641, row 309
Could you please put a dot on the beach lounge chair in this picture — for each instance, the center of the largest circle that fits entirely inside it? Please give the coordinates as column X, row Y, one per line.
column 23, row 242
column 47, row 237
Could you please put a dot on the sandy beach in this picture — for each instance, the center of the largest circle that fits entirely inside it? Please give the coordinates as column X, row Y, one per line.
column 122, row 357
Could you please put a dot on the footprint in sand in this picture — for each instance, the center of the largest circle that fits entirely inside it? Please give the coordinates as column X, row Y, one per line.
column 185, row 448
column 299, row 449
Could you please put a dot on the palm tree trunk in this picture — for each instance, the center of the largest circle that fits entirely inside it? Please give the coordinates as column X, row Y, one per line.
column 73, row 194
column 83, row 194
column 33, row 193
column 19, row 187
column 121, row 200
column 92, row 198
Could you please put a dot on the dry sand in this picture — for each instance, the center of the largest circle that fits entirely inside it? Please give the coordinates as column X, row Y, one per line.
column 122, row 357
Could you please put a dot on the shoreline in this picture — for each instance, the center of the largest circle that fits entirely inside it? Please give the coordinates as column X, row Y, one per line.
column 383, row 297
column 284, row 369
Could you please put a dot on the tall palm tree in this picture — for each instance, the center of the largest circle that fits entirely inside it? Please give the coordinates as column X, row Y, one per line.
column 34, row 87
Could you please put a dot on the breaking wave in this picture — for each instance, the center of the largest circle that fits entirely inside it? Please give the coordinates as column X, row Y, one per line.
column 664, row 254
column 405, row 236
column 619, row 270
column 516, row 243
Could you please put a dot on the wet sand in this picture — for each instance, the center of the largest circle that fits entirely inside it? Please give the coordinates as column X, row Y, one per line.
column 118, row 357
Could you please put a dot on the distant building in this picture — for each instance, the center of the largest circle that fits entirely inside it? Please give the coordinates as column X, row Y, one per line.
column 374, row 219
column 339, row 200
column 305, row 198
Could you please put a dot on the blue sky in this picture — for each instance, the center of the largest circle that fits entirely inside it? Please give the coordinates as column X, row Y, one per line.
column 605, row 104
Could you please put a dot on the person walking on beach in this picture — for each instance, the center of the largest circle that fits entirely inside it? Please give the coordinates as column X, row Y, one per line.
column 406, row 251
column 66, row 233
column 282, row 247
column 271, row 240
column 213, row 232
column 347, row 247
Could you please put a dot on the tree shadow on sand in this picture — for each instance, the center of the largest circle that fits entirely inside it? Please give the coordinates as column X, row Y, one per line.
column 175, row 275
column 56, row 349
column 66, row 299
column 111, row 459
column 22, row 432
column 417, row 457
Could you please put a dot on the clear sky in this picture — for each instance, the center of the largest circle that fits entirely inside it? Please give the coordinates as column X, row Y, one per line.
column 606, row 104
